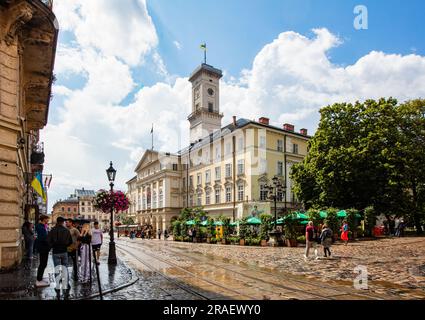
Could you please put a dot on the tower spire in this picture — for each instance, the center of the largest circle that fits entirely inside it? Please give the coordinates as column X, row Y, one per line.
column 204, row 47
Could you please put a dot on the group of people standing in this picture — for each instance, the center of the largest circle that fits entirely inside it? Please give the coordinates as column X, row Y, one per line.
column 322, row 236
column 68, row 241
column 394, row 226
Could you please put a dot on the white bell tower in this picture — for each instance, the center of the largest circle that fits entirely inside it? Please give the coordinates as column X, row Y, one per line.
column 205, row 117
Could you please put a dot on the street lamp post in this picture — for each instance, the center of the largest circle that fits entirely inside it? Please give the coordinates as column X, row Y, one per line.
column 112, row 260
column 273, row 192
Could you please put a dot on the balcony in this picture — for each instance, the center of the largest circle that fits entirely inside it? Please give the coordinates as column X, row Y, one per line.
column 37, row 154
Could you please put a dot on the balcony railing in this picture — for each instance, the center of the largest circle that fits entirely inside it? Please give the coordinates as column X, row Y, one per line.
column 48, row 3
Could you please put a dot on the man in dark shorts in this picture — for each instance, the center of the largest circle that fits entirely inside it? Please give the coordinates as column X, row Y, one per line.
column 97, row 240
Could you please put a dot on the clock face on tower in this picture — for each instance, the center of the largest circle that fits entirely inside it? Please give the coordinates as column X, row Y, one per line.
column 210, row 92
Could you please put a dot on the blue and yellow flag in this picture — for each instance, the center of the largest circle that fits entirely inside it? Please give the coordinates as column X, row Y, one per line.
column 37, row 184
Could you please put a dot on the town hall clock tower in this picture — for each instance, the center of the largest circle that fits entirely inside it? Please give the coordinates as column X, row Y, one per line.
column 205, row 117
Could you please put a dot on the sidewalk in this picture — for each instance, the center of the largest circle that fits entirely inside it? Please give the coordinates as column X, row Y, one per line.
column 20, row 283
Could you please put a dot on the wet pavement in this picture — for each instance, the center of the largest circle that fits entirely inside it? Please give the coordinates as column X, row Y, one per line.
column 174, row 270
column 20, row 284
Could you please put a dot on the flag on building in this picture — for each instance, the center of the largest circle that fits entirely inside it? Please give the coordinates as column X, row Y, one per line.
column 204, row 46
column 37, row 185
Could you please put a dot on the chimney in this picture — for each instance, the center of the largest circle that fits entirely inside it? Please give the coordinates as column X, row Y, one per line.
column 234, row 120
column 289, row 127
column 304, row 132
column 264, row 120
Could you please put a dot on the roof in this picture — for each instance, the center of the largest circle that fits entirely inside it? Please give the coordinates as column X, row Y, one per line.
column 84, row 193
column 240, row 123
column 132, row 180
column 205, row 67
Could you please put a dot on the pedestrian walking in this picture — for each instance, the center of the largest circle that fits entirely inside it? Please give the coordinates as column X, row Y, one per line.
column 344, row 232
column 396, row 226
column 29, row 238
column 401, row 227
column 391, row 225
column 59, row 239
column 73, row 248
column 159, row 234
column 97, row 241
column 310, row 240
column 165, row 234
column 85, row 267
column 326, row 240
column 43, row 249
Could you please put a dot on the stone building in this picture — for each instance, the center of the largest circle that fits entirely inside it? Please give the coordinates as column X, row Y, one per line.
column 67, row 209
column 224, row 169
column 28, row 40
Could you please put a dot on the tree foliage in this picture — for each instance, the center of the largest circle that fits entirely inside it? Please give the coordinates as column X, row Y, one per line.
column 367, row 154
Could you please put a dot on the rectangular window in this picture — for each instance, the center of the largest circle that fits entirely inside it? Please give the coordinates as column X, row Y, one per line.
column 228, row 149
column 240, row 192
column 82, row 209
column 199, row 179
column 184, row 183
column 217, row 153
column 262, row 142
column 228, row 194
column 63, row 209
column 210, row 107
column 241, row 169
column 263, row 166
column 69, row 209
column 228, row 170
column 191, row 181
column 217, row 173
column 217, row 196
column 191, row 200
column 174, row 166
column 295, row 148
column 280, row 168
column 208, row 176
column 280, row 196
column 280, row 145
column 199, row 200
column 208, row 198
column 263, row 193
column 240, row 144
column 161, row 198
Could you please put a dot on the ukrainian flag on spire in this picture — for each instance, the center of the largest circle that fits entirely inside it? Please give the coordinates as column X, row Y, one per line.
column 37, row 185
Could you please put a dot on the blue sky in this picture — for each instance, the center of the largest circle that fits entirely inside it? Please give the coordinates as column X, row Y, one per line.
column 236, row 30
column 123, row 64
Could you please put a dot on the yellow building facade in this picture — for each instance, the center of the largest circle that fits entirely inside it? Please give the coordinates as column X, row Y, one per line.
column 28, row 39
column 224, row 169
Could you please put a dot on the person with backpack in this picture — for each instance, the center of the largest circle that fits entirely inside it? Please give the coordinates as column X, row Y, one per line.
column 326, row 240
column 59, row 239
column 73, row 248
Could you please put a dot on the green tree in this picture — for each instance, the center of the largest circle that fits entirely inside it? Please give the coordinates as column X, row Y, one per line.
column 366, row 154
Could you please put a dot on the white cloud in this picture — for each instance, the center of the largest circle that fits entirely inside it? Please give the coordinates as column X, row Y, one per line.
column 118, row 28
column 178, row 45
column 289, row 80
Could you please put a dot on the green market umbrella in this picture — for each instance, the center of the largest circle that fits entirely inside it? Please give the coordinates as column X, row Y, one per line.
column 296, row 216
column 304, row 222
column 253, row 220
column 204, row 223
column 234, row 224
column 323, row 214
column 218, row 223
column 343, row 214
column 280, row 221
column 190, row 223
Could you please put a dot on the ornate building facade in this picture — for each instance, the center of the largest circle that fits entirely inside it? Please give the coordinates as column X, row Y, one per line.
column 224, row 169
column 28, row 40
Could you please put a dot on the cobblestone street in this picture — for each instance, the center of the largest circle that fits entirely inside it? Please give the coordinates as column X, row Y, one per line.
column 174, row 270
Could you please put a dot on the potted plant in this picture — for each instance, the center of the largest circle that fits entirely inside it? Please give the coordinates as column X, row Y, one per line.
column 291, row 233
column 265, row 228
